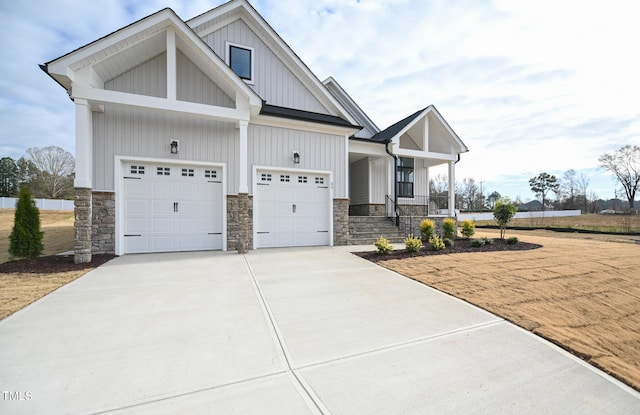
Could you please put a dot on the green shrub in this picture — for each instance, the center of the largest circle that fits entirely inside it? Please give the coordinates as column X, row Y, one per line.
column 503, row 212
column 412, row 243
column 512, row 241
column 486, row 240
column 383, row 245
column 477, row 243
column 436, row 243
column 25, row 240
column 449, row 228
column 447, row 242
column 427, row 229
column 468, row 228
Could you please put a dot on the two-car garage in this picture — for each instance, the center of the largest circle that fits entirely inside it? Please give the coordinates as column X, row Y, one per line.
column 167, row 207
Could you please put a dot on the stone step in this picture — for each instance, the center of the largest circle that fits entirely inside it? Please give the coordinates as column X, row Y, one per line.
column 365, row 230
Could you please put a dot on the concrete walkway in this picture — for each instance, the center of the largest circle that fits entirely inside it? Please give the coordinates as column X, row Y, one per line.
column 288, row 331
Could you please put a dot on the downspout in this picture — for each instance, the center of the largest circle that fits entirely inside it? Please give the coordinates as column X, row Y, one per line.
column 395, row 181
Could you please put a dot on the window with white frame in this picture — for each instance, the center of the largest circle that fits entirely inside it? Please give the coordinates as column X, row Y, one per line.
column 240, row 59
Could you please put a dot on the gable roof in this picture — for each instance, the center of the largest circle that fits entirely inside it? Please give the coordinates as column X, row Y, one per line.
column 390, row 132
column 369, row 127
column 123, row 42
column 397, row 129
column 224, row 14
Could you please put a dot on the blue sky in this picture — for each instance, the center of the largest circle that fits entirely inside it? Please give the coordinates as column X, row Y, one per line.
column 528, row 86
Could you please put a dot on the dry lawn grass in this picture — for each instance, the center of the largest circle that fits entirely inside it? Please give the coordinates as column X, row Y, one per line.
column 18, row 290
column 581, row 294
column 598, row 222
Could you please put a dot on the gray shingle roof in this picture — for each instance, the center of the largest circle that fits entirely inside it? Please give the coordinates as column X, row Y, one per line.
column 295, row 114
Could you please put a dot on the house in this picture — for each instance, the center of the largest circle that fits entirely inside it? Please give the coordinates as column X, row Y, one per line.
column 212, row 134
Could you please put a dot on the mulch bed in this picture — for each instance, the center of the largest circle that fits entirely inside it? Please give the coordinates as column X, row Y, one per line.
column 52, row 264
column 461, row 245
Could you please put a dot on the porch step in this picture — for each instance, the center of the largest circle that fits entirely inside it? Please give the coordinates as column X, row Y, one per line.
column 365, row 230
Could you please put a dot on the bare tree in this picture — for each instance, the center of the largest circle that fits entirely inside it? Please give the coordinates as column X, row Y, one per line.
column 54, row 170
column 569, row 188
column 624, row 163
column 470, row 193
column 583, row 191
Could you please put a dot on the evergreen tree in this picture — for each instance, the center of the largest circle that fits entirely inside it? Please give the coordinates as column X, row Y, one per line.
column 25, row 240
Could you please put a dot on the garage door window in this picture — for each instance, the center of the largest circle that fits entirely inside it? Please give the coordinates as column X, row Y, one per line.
column 188, row 172
column 136, row 169
column 210, row 174
column 163, row 171
column 302, row 179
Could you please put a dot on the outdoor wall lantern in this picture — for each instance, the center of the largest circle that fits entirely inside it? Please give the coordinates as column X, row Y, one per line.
column 296, row 157
column 174, row 146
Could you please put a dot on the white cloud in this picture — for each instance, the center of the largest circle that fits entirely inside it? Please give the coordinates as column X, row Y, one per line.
column 529, row 86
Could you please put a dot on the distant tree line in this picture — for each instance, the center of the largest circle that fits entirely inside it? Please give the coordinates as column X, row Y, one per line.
column 571, row 191
column 47, row 171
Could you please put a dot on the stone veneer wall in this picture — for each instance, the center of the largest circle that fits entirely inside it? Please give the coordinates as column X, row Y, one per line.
column 367, row 210
column 82, row 225
column 239, row 222
column 340, row 221
column 103, row 229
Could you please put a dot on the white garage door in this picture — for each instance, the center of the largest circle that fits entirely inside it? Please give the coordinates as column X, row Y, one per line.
column 172, row 208
column 292, row 209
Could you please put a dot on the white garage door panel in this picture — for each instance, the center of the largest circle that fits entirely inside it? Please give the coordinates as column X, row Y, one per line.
column 292, row 209
column 172, row 208
column 138, row 225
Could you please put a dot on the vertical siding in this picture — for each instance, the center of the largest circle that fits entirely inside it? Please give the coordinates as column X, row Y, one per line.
column 421, row 178
column 148, row 78
column 359, row 182
column 194, row 86
column 274, row 147
column 379, row 180
column 273, row 81
column 128, row 132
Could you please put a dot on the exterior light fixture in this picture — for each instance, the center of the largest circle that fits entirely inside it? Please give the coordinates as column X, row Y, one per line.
column 296, row 157
column 174, row 146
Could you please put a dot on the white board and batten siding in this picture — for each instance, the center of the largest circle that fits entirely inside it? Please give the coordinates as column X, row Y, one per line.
column 167, row 206
column 274, row 146
column 141, row 134
column 274, row 81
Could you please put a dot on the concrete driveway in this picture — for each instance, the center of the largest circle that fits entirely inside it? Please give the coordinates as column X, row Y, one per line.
column 287, row 331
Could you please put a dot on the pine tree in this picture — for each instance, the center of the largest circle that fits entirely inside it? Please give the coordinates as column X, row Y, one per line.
column 25, row 240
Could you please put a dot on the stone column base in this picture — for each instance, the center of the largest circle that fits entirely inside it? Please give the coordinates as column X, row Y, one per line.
column 82, row 226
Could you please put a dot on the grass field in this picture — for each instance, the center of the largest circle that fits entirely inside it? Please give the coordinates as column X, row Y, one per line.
column 592, row 222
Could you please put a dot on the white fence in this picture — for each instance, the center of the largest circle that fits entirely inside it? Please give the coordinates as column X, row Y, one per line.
column 521, row 215
column 42, row 204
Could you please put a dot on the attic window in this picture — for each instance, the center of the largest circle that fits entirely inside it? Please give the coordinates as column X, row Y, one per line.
column 240, row 59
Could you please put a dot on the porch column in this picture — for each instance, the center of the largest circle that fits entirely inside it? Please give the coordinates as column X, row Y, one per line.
column 242, row 163
column 84, row 153
column 452, row 189
column 83, row 183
